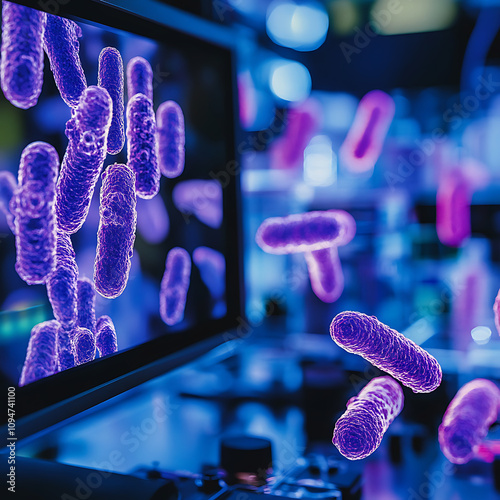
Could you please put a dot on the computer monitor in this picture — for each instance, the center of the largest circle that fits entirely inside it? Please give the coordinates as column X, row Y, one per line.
column 197, row 211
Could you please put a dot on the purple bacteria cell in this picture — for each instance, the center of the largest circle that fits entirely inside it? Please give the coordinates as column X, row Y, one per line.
column 116, row 233
column 359, row 431
column 84, row 342
column 467, row 420
column 325, row 273
column 33, row 209
column 153, row 221
column 65, row 348
column 142, row 146
column 106, row 340
column 8, row 186
column 86, row 304
column 22, row 54
column 111, row 78
column 139, row 78
column 41, row 356
column 174, row 286
column 387, row 349
column 171, row 139
column 62, row 46
column 62, row 283
column 305, row 232
column 87, row 132
column 212, row 267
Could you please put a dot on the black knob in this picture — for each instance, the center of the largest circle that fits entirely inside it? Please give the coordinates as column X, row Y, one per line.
column 245, row 454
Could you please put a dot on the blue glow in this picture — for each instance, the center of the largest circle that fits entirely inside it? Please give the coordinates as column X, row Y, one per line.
column 300, row 27
column 290, row 80
column 320, row 162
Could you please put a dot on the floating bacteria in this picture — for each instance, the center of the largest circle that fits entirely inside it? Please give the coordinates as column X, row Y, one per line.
column 33, row 210
column 363, row 144
column 467, row 420
column 153, row 221
column 212, row 267
column 65, row 348
column 62, row 46
column 41, row 356
column 86, row 304
column 201, row 198
column 106, row 341
column 142, row 146
column 8, row 186
column 62, row 283
column 174, row 286
column 111, row 78
column 87, row 132
column 387, row 349
column 116, row 233
column 84, row 342
column 171, row 139
column 325, row 273
column 22, row 54
column 359, row 431
column 139, row 78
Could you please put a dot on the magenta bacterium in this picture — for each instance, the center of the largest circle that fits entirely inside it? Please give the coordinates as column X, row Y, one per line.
column 174, row 286
column 41, row 356
column 153, row 222
column 8, row 186
column 203, row 198
column 467, row 420
column 62, row 48
column 363, row 144
column 62, row 283
column 65, row 347
column 139, row 78
column 33, row 210
column 22, row 54
column 86, row 304
column 496, row 311
column 87, row 132
column 116, row 233
column 359, row 431
column 106, row 340
column 325, row 273
column 142, row 146
column 110, row 77
column 212, row 267
column 171, row 138
column 84, row 342
column 453, row 209
column 387, row 349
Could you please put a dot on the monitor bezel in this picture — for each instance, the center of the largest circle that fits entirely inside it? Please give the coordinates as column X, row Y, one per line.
column 46, row 402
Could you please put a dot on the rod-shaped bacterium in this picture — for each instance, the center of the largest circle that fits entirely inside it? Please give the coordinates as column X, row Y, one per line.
column 116, row 233
column 363, row 144
column 110, row 77
column 174, row 286
column 87, row 133
column 212, row 267
column 106, row 340
column 142, row 146
column 62, row 283
column 467, row 420
column 41, row 356
column 139, row 78
column 496, row 311
column 325, row 273
column 65, row 347
column 84, row 342
column 62, row 47
column 171, row 138
column 8, row 186
column 33, row 210
column 387, row 349
column 21, row 64
column 359, row 431
column 86, row 304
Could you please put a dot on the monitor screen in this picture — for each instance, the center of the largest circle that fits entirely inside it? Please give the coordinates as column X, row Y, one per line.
column 119, row 233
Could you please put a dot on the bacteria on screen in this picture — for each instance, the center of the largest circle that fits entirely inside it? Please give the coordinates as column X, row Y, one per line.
column 212, row 267
column 387, row 349
column 21, row 68
column 359, row 431
column 106, row 340
column 33, row 210
column 8, row 186
column 116, row 233
column 65, row 347
column 139, row 78
column 62, row 283
column 171, row 138
column 87, row 133
column 363, row 144
column 325, row 273
column 84, row 342
column 142, row 146
column 202, row 198
column 174, row 286
column 467, row 420
column 62, row 47
column 86, row 304
column 153, row 222
column 110, row 77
